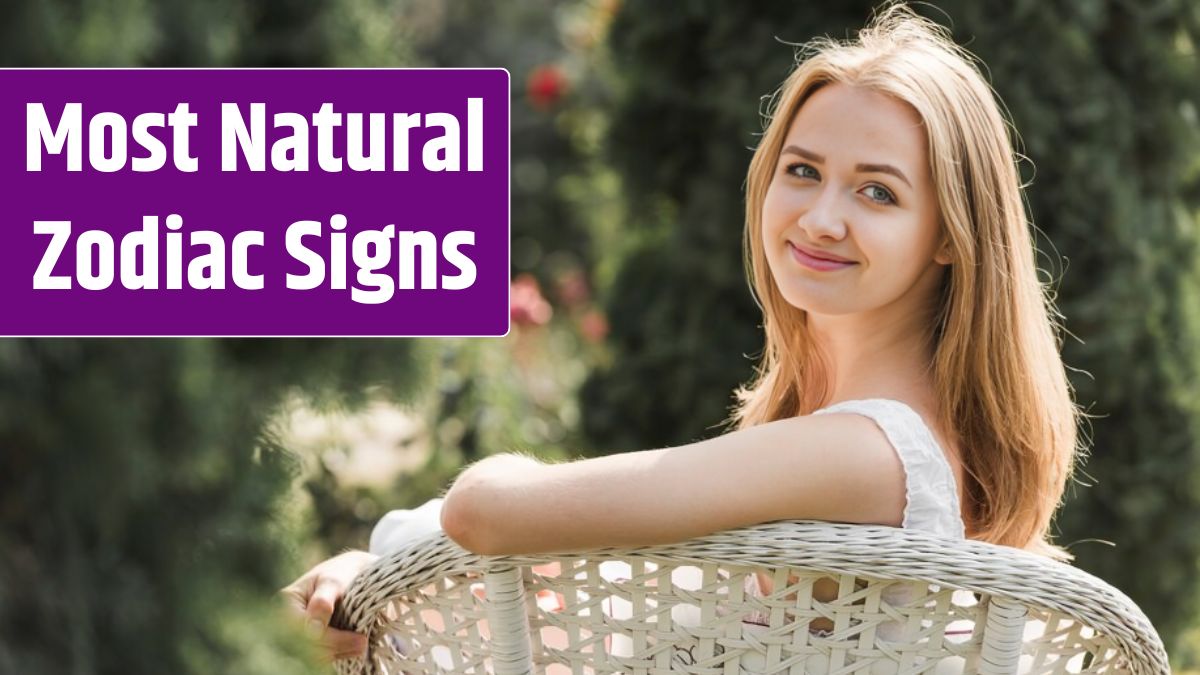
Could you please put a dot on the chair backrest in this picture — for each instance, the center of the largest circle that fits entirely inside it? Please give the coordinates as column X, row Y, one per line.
column 843, row 599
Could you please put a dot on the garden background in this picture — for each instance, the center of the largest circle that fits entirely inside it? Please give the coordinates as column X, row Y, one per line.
column 154, row 494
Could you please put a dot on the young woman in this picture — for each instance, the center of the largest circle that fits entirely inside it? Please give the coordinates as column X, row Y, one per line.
column 911, row 375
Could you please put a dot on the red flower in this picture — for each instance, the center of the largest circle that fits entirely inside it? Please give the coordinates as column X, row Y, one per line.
column 545, row 87
column 526, row 306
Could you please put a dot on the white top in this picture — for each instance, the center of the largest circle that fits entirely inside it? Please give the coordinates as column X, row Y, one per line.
column 398, row 528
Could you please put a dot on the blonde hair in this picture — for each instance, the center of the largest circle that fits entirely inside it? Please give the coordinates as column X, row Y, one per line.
column 996, row 369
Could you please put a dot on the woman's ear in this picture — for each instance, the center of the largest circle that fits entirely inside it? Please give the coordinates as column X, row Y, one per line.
column 944, row 256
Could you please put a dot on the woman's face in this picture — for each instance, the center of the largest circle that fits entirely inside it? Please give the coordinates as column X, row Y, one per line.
column 853, row 182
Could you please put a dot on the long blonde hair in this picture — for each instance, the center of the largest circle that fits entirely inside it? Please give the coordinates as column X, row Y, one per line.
column 998, row 377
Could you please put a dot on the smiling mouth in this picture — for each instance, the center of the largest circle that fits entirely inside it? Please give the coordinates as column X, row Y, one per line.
column 815, row 263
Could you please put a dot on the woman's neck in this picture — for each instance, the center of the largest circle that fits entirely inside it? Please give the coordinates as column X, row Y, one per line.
column 868, row 358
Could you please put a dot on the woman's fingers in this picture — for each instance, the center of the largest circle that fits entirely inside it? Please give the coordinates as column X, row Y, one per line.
column 335, row 643
column 343, row 644
column 296, row 594
column 322, row 600
column 316, row 608
column 314, row 595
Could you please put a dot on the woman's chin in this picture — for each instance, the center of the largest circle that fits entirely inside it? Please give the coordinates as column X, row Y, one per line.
column 811, row 304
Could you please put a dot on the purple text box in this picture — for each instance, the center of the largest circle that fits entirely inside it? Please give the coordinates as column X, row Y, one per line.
column 455, row 211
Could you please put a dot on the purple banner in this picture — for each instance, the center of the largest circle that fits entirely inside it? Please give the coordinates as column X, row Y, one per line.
column 254, row 202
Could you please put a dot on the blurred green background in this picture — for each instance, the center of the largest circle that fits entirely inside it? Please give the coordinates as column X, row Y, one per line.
column 154, row 494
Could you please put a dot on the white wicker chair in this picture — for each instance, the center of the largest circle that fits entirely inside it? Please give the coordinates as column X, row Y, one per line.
column 436, row 608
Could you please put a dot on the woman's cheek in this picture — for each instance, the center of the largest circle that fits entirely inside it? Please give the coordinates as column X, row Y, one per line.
column 770, row 217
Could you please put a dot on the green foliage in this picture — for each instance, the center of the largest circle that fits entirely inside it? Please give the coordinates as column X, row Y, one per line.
column 486, row 400
column 144, row 509
column 149, row 515
column 284, row 33
column 1105, row 95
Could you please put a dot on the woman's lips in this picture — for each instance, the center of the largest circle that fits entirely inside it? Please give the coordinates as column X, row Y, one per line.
column 818, row 264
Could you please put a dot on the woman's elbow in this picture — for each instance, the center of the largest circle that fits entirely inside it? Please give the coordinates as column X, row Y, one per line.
column 464, row 517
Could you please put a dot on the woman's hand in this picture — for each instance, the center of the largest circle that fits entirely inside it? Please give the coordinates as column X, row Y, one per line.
column 313, row 596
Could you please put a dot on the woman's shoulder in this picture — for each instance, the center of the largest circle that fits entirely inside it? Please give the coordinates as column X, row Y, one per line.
column 933, row 474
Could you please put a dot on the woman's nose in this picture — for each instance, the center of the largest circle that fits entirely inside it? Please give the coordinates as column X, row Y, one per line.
column 822, row 217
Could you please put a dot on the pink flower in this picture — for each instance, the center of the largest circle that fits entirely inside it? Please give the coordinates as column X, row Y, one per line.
column 526, row 305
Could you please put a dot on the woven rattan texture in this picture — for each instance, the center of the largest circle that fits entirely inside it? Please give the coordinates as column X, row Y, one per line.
column 959, row 606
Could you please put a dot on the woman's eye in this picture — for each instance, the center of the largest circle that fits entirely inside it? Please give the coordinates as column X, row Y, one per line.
column 881, row 195
column 800, row 170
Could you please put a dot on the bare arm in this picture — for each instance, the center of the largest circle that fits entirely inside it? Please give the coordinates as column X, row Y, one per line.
column 837, row 467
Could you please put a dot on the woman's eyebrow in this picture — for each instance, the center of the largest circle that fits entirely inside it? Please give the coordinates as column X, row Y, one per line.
column 882, row 168
column 806, row 154
column 861, row 168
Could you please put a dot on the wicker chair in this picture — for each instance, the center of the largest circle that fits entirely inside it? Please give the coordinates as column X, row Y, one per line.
column 890, row 601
